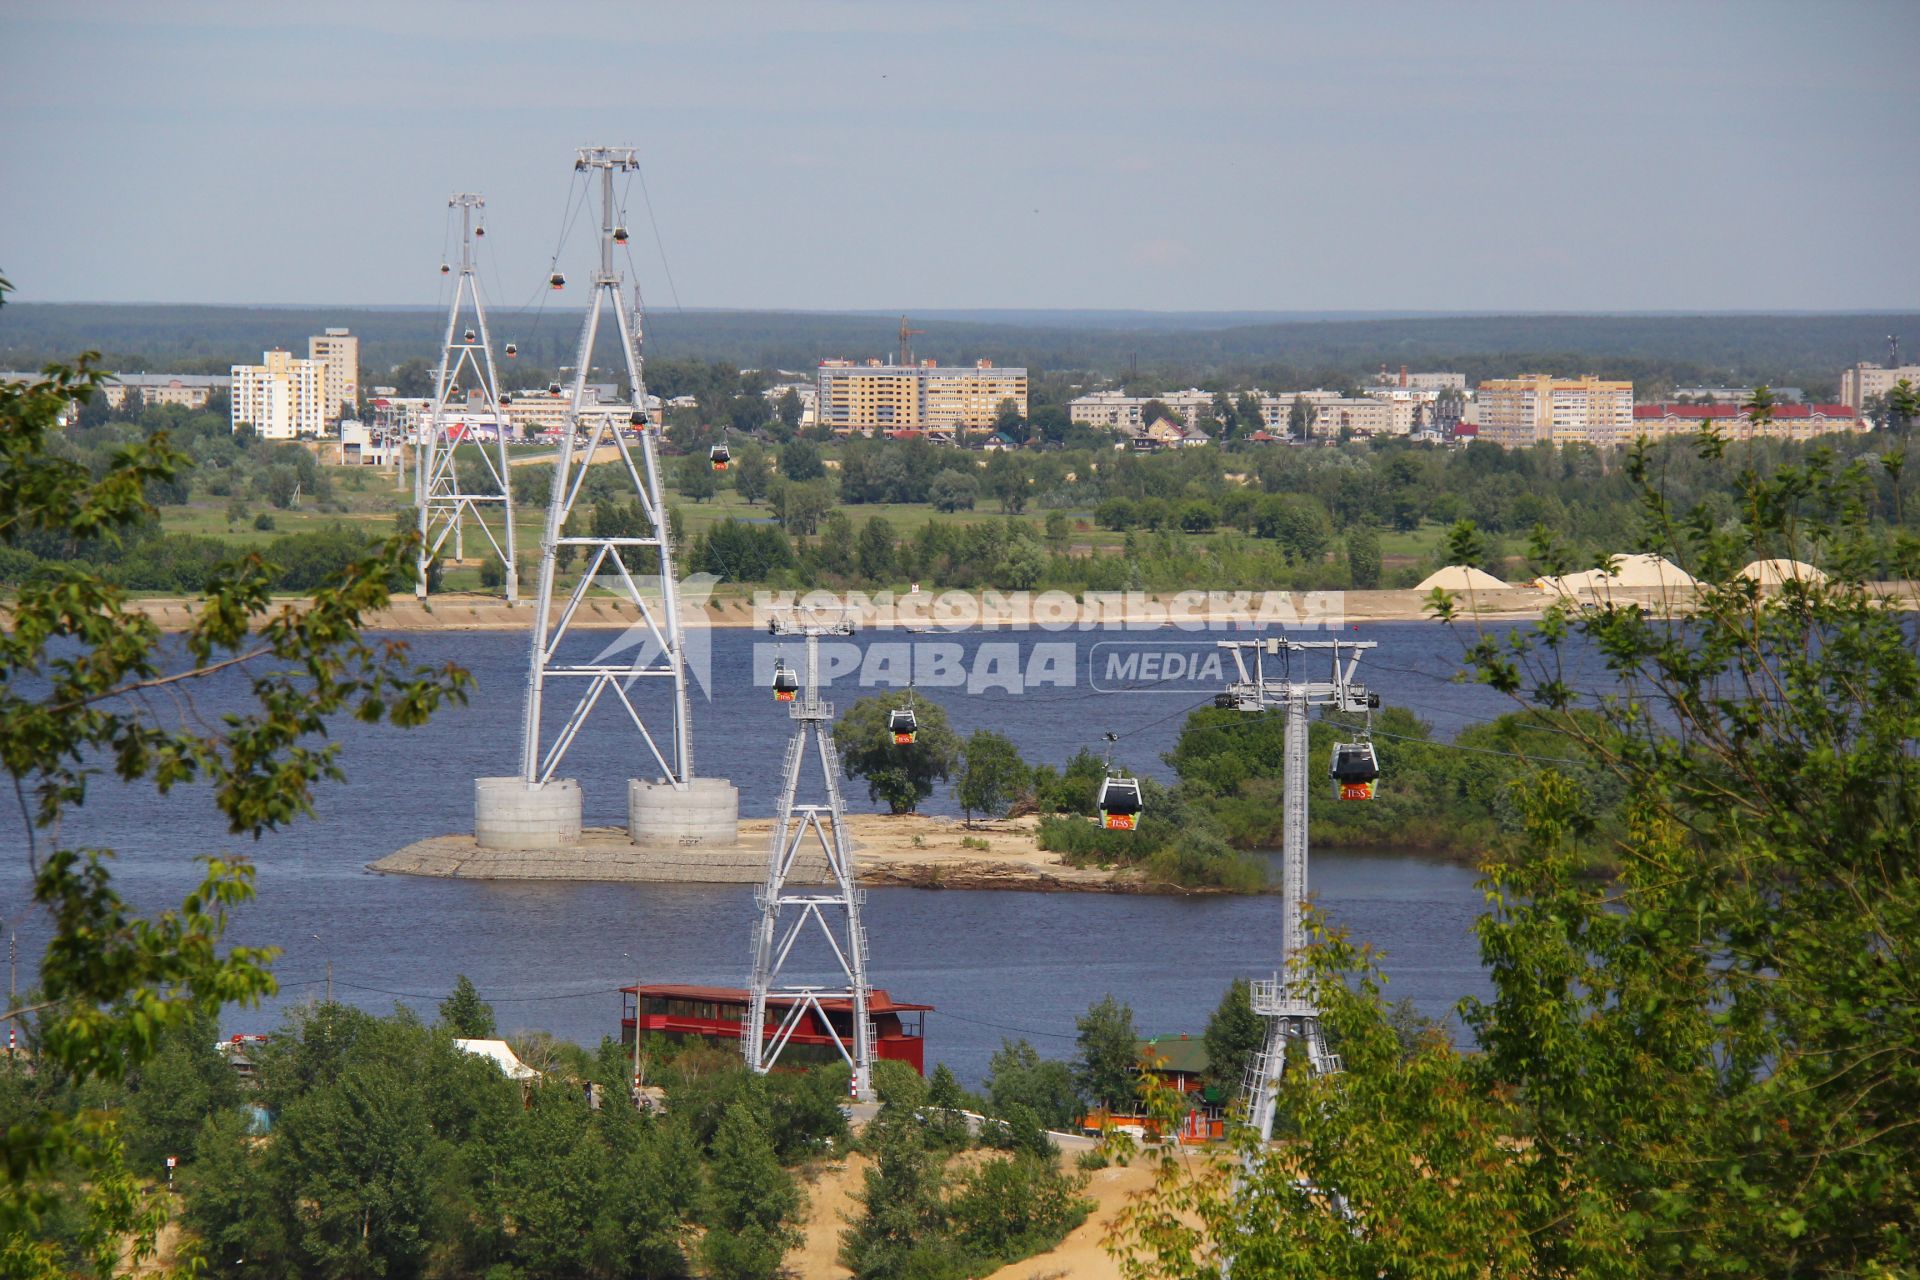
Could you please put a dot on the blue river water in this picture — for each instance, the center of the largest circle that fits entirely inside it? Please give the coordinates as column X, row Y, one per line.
column 550, row 955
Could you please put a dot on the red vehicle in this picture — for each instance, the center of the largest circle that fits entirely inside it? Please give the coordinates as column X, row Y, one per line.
column 681, row 1012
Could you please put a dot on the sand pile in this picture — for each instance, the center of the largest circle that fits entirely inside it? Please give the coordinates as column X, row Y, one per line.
column 1631, row 573
column 1460, row 577
column 1771, row 573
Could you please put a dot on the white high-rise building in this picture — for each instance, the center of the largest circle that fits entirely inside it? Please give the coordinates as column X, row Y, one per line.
column 339, row 351
column 281, row 398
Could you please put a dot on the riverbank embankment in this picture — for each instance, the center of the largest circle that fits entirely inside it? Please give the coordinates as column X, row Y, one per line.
column 457, row 611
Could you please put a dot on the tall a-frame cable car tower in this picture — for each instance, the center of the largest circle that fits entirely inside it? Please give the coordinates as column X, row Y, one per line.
column 446, row 498
column 536, row 809
column 830, row 914
column 1290, row 1013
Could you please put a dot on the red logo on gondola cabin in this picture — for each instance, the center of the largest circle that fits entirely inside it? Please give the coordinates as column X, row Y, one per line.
column 783, row 695
column 1356, row 791
column 902, row 739
column 1119, row 822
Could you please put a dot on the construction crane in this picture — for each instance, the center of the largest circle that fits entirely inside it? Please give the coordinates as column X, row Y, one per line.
column 906, row 342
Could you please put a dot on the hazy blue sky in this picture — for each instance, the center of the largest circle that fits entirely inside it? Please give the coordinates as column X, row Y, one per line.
column 1551, row 156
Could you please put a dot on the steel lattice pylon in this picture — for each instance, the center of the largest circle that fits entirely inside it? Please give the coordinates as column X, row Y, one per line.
column 445, row 499
column 615, row 558
column 812, row 915
column 1289, row 1014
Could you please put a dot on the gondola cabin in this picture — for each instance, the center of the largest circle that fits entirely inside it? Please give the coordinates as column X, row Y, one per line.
column 1355, row 769
column 903, row 724
column 717, row 1014
column 719, row 456
column 1119, row 804
column 557, row 281
column 786, row 685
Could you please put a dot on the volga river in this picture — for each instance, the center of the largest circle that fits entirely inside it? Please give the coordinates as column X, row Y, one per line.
column 994, row 963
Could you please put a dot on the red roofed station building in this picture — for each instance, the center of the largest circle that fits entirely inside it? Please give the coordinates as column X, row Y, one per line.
column 1789, row 422
column 717, row 1013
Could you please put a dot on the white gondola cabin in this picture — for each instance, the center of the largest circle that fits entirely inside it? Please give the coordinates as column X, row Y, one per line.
column 1120, row 803
column 786, row 685
column 1355, row 768
column 903, row 724
column 719, row 456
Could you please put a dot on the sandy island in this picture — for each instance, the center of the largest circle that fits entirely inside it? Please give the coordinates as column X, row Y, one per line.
column 908, row 850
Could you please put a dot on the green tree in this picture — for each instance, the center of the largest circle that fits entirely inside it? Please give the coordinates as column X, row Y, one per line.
column 1363, row 557
column 1017, row 1076
column 800, row 460
column 1108, row 1063
column 1058, row 532
column 952, row 491
column 800, row 507
column 465, row 1013
column 838, row 554
column 875, row 552
column 901, row 1228
column 1301, row 415
column 1009, row 422
column 898, row 776
column 751, row 473
column 74, row 662
column 947, row 1125
column 992, row 776
column 751, row 1202
column 789, row 410
column 1234, row 1034
column 693, row 476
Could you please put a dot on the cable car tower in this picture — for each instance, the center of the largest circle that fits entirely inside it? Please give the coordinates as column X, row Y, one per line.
column 444, row 499
column 1290, row 1015
column 614, row 558
column 787, row 915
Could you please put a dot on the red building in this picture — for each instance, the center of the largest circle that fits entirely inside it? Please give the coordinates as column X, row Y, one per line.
column 717, row 1013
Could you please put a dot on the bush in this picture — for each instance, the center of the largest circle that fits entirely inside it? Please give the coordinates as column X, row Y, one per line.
column 264, row 522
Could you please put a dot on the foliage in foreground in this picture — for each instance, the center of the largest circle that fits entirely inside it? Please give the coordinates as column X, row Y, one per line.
column 924, row 1219
column 1710, row 1066
column 74, row 664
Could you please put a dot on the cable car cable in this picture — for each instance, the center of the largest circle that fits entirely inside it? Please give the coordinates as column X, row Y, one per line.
column 658, row 244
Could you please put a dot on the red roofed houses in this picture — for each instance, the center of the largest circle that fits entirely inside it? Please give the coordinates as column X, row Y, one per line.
column 1789, row 421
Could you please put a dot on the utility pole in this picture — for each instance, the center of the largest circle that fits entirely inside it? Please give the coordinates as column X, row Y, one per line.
column 13, row 995
column 447, row 501
column 841, row 901
column 1290, row 1015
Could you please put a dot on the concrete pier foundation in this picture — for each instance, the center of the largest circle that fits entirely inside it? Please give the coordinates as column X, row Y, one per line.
column 703, row 814
column 509, row 814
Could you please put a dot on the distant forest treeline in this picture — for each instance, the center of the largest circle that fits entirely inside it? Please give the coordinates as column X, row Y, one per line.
column 1656, row 351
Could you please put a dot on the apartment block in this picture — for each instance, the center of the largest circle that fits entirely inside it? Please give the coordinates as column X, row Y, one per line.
column 282, row 398
column 1787, row 422
column 1516, row 413
column 875, row 397
column 1864, row 381
column 186, row 390
column 339, row 352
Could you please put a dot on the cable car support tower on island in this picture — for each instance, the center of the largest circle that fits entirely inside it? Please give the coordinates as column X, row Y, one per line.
column 444, row 499
column 535, row 809
column 787, row 915
column 1290, row 1015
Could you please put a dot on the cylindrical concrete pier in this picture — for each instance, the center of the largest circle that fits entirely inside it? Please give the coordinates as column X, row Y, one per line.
column 706, row 813
column 509, row 814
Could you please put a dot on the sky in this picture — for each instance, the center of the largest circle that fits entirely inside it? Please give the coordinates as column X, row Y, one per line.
column 1465, row 155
